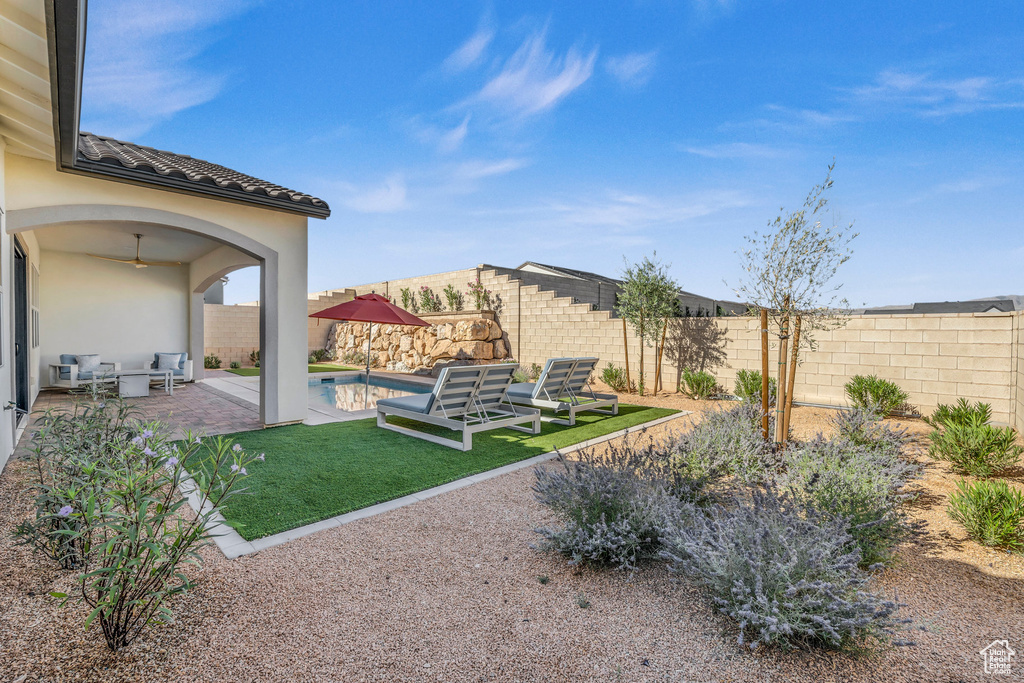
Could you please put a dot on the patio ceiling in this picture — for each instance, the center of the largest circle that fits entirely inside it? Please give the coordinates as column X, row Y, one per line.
column 116, row 240
column 26, row 115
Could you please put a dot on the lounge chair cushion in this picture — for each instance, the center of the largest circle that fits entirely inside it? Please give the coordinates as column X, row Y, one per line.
column 418, row 403
column 67, row 359
column 167, row 361
column 182, row 357
column 89, row 363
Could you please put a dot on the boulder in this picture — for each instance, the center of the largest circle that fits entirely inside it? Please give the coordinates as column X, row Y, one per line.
column 445, row 331
column 499, row 349
column 472, row 330
column 473, row 350
column 405, row 342
column 442, row 349
column 493, row 330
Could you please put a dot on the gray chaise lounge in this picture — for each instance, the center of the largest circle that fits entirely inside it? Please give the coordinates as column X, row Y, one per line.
column 466, row 399
column 563, row 387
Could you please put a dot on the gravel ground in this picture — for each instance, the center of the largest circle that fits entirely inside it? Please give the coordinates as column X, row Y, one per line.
column 450, row 589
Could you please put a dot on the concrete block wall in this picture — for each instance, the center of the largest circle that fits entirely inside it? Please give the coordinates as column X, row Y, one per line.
column 1017, row 353
column 231, row 332
column 319, row 328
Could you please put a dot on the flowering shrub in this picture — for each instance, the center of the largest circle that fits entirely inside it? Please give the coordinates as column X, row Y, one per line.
column 613, row 507
column 733, row 437
column 456, row 301
column 864, row 428
column 860, row 486
column 123, row 523
column 786, row 575
column 429, row 302
column 992, row 512
column 481, row 296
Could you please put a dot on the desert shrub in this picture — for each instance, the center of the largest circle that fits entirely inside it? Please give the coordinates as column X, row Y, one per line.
column 234, row 365
column 699, row 385
column 456, row 301
column 616, row 379
column 429, row 302
column 787, row 576
column 963, row 413
column 409, row 300
column 211, row 362
column 977, row 450
column 318, row 355
column 992, row 512
column 254, row 357
column 357, row 358
column 860, row 486
column 527, row 373
column 880, row 396
column 123, row 511
column 864, row 428
column 732, row 437
column 748, row 386
column 612, row 507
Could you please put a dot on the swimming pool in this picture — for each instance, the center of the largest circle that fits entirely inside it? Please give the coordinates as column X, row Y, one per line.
column 349, row 393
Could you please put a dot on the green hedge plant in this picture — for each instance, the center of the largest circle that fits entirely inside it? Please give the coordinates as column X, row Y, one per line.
column 979, row 450
column 211, row 362
column 880, row 396
column 700, row 385
column 992, row 512
column 748, row 386
column 616, row 379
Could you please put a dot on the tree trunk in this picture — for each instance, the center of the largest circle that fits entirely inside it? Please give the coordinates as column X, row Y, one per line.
column 625, row 344
column 640, row 381
column 780, row 401
column 764, row 374
column 792, row 376
column 661, row 353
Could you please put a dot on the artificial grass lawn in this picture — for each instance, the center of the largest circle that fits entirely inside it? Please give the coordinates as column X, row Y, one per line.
column 315, row 472
column 313, row 367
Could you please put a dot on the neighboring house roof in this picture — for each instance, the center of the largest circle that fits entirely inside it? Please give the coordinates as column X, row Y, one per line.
column 146, row 164
column 994, row 305
column 569, row 272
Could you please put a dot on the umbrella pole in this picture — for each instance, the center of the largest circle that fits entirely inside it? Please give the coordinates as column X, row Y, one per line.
column 366, row 394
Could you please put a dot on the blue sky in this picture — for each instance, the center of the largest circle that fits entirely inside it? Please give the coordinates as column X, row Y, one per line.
column 579, row 133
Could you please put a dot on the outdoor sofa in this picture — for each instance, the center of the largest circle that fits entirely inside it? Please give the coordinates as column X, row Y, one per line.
column 466, row 399
column 563, row 386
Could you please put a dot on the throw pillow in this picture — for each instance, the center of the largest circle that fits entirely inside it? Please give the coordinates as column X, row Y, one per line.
column 88, row 363
column 167, row 361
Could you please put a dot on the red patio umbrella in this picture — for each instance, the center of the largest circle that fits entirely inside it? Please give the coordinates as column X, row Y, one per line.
column 370, row 308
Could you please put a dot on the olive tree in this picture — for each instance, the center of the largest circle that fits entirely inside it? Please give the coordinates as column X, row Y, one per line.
column 649, row 296
column 789, row 271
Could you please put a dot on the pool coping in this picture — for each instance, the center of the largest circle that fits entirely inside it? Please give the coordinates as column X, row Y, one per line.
column 233, row 546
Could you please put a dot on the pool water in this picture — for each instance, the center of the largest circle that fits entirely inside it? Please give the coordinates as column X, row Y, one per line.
column 349, row 393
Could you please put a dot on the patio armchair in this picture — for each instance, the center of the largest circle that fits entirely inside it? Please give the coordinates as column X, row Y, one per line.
column 181, row 370
column 467, row 399
column 563, row 386
column 73, row 371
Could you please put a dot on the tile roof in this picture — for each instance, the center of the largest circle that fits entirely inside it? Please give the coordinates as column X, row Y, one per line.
column 153, row 166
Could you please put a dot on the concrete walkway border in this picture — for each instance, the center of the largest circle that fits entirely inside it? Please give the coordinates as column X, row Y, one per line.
column 233, row 545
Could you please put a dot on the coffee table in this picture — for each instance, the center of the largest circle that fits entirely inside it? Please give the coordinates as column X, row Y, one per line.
column 135, row 383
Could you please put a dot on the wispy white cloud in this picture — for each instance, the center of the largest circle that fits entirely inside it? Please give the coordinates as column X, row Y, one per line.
column 142, row 63
column 452, row 139
column 634, row 69
column 477, row 169
column 535, row 79
column 737, row 150
column 446, row 140
column 386, row 197
column 926, row 95
column 469, row 53
column 628, row 211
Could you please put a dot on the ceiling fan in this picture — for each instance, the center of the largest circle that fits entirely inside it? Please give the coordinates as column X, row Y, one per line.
column 137, row 261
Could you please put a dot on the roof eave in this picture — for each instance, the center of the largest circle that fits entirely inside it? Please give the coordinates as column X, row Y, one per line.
column 65, row 27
